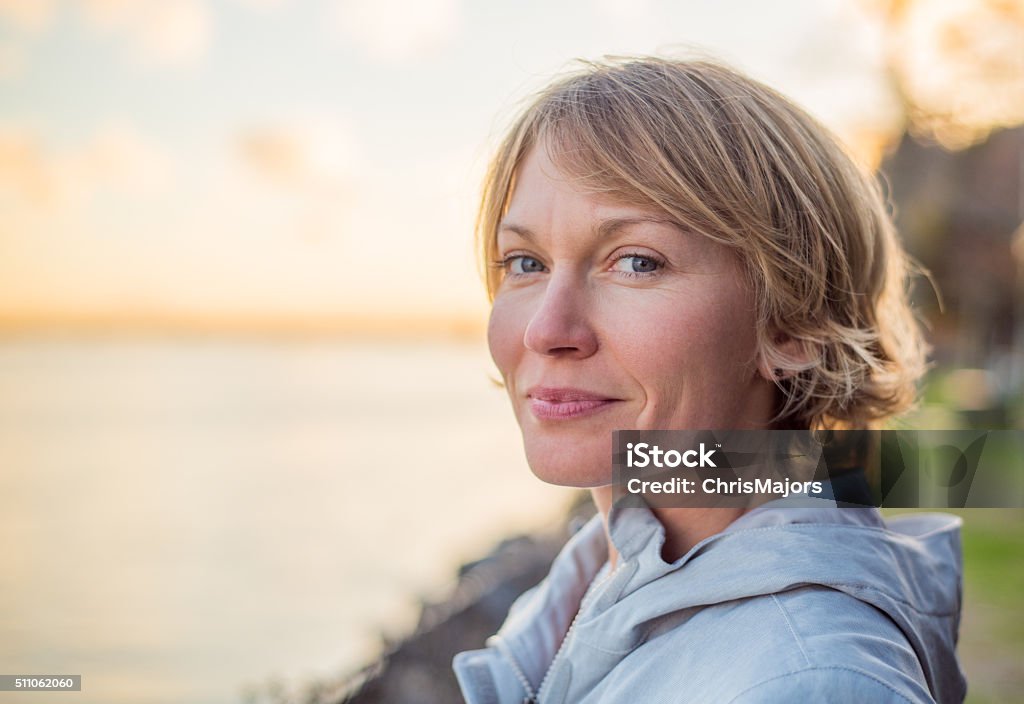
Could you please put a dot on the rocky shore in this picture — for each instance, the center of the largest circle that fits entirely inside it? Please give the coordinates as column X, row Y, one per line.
column 418, row 670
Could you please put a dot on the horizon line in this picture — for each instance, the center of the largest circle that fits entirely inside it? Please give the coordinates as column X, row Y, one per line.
column 380, row 326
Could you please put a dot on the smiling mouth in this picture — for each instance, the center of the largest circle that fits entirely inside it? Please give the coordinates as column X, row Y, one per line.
column 565, row 404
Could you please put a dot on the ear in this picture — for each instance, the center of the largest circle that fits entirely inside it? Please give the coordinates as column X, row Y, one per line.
column 788, row 349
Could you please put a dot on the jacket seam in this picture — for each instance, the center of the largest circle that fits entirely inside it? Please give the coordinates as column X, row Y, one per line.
column 830, row 586
column 867, row 587
column 854, row 670
column 645, row 635
column 792, row 631
column 813, row 526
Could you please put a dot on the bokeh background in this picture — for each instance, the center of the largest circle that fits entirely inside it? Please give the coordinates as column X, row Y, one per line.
column 246, row 412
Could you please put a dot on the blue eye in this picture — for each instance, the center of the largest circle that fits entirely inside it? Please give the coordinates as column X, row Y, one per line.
column 521, row 264
column 636, row 264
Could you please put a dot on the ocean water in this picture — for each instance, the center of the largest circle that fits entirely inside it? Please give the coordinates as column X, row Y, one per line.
column 186, row 519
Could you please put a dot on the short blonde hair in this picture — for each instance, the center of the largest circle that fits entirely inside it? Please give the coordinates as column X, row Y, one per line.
column 734, row 160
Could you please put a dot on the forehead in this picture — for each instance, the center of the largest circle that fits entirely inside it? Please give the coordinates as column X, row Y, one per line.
column 552, row 208
column 543, row 189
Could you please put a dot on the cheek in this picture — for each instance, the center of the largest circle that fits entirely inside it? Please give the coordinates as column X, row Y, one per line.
column 668, row 344
column 653, row 332
column 504, row 336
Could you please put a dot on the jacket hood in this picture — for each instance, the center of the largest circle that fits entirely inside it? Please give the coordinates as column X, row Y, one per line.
column 909, row 567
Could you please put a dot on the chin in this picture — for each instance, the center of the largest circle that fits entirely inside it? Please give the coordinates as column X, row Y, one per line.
column 582, row 465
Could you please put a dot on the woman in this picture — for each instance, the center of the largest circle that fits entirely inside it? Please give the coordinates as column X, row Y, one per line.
column 675, row 246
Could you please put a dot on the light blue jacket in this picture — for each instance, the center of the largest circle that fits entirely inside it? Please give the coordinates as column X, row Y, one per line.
column 786, row 605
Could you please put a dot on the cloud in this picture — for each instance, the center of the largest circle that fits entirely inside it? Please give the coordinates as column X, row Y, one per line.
column 28, row 15
column 300, row 151
column 303, row 170
column 275, row 154
column 396, row 30
column 116, row 158
column 120, row 157
column 176, row 31
column 163, row 33
column 25, row 174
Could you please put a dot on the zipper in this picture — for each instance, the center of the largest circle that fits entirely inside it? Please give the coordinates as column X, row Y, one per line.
column 589, row 597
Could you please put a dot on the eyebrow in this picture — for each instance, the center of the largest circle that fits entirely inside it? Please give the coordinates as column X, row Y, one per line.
column 524, row 232
column 612, row 225
column 606, row 229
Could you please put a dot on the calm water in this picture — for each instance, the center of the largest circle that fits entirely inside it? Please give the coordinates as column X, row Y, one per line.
column 181, row 520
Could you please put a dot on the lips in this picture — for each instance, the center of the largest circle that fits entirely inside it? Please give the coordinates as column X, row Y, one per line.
column 559, row 403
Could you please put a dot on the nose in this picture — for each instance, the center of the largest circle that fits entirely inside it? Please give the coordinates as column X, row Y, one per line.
column 560, row 326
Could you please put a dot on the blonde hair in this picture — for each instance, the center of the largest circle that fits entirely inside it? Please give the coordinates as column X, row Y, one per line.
column 733, row 160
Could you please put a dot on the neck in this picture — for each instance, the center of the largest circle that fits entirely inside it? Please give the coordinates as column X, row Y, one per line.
column 684, row 527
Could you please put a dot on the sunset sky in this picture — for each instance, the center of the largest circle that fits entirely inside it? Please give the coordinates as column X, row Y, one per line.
column 271, row 159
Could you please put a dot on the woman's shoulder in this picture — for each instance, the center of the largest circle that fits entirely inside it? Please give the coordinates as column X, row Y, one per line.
column 806, row 644
column 779, row 601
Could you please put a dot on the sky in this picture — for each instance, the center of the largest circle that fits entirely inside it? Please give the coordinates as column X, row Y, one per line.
column 321, row 159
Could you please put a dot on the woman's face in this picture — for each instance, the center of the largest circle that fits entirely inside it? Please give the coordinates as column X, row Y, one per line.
column 609, row 317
